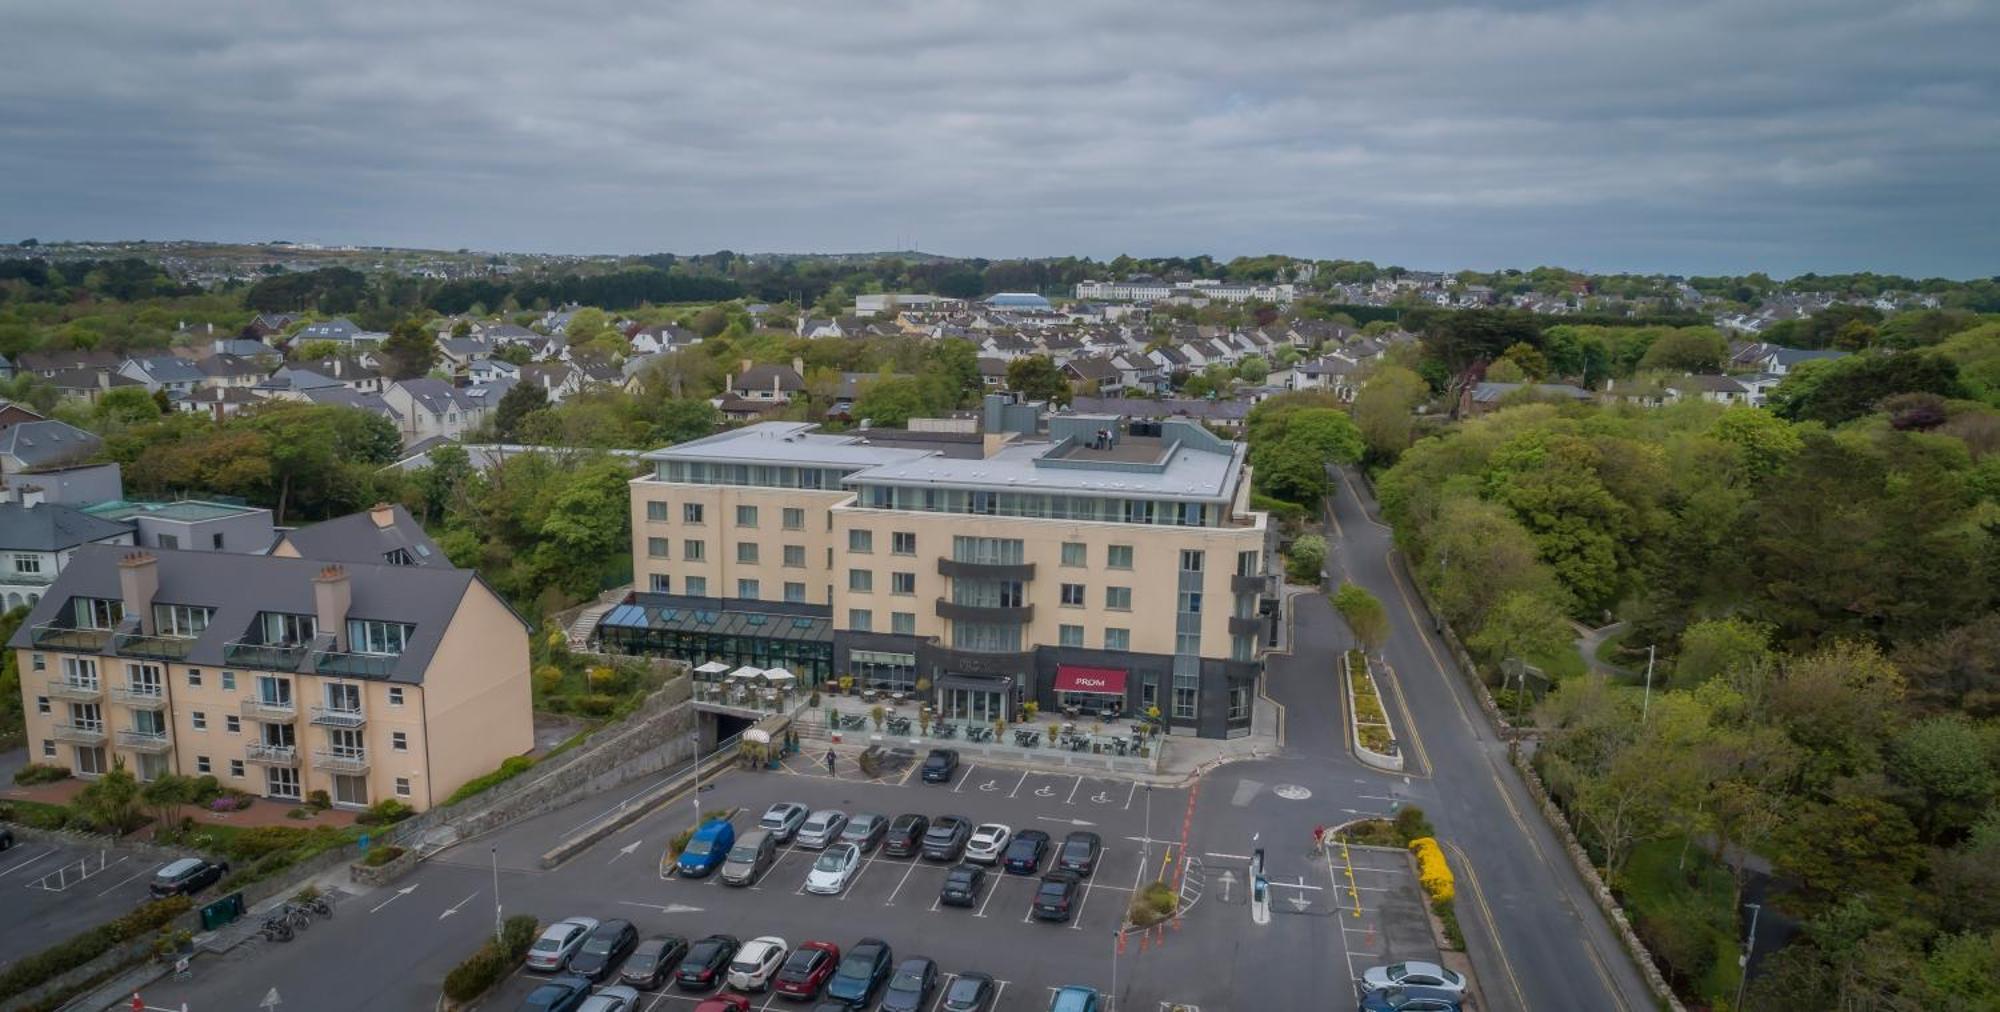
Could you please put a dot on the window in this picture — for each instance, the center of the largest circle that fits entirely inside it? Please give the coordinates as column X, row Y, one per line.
column 656, row 512
column 48, row 748
column 229, row 681
column 98, row 613
column 902, row 583
column 40, row 662
column 693, row 550
column 201, row 764
column 373, row 636
column 1243, row 648
column 691, row 513
column 987, row 551
column 795, row 518
column 80, row 671
column 395, row 695
column 746, row 516
column 284, row 630
column 1190, row 602
column 903, row 623
column 194, row 678
column 795, row 556
column 746, row 552
column 695, row 586
column 795, row 592
column 1191, row 560
column 198, row 720
column 903, row 543
column 402, row 787
column 1074, row 553
column 236, row 768
column 748, row 590
column 216, row 541
column 1069, row 636
column 1239, row 703
column 661, row 584
column 27, row 562
column 656, row 548
column 1072, row 595
column 862, row 542
column 861, row 581
column 1117, row 639
column 399, row 741
column 1184, row 702
column 1149, row 694
column 232, row 723
column 1246, row 563
column 180, row 619
column 1118, row 598
column 41, row 704
column 170, row 541
column 1118, row 557
column 860, row 620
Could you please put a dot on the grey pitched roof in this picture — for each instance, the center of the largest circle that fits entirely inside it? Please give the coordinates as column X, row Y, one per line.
column 169, row 369
column 357, row 538
column 437, row 396
column 46, row 442
column 340, row 328
column 52, row 527
column 239, row 587
column 351, row 399
column 227, row 364
column 761, row 377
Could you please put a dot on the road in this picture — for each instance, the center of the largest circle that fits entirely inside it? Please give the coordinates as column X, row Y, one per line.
column 1538, row 939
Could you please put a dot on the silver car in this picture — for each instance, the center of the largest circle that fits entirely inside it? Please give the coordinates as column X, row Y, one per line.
column 560, row 941
column 1412, row 973
column 821, row 828
column 783, row 820
column 611, row 999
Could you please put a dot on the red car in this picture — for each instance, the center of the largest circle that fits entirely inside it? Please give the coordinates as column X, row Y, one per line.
column 806, row 970
column 728, row 1001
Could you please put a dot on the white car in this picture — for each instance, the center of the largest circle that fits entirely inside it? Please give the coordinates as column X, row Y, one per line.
column 560, row 941
column 830, row 873
column 755, row 962
column 611, row 999
column 1412, row 974
column 988, row 843
column 783, row 819
column 821, row 828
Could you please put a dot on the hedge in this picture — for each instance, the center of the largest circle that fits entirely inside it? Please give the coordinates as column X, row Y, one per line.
column 486, row 967
column 87, row 945
column 40, row 773
column 1432, row 871
column 512, row 767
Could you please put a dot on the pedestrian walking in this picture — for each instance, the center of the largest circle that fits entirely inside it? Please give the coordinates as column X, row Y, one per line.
column 829, row 762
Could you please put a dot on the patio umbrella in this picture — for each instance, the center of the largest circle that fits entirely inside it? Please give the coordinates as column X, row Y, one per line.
column 712, row 668
column 757, row 735
column 780, row 677
column 746, row 673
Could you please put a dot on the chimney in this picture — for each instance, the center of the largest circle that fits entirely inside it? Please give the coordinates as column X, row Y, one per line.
column 33, row 496
column 383, row 514
column 799, row 366
column 138, row 584
column 331, row 596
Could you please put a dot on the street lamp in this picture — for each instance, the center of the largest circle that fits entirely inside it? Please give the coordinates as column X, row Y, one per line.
column 1749, row 947
column 496, row 896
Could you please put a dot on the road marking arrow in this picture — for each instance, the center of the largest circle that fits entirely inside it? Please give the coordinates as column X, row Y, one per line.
column 454, row 907
column 1228, row 880
column 1300, row 903
column 626, row 850
column 671, row 908
column 1066, row 822
column 271, row 1000
column 405, row 891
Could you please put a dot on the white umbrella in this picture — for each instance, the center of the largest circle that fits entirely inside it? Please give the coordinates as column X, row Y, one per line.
column 757, row 735
column 745, row 673
column 779, row 676
column 712, row 668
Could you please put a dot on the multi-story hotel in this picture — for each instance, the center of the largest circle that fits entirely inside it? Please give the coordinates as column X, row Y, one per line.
column 279, row 676
column 1099, row 563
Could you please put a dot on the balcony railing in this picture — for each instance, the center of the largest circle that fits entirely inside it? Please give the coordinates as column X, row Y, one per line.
column 272, row 755
column 79, row 692
column 263, row 656
column 341, row 760
column 81, row 732
column 270, row 711
column 986, row 570
column 162, row 648
column 145, row 741
column 147, row 697
column 1246, row 626
column 352, row 665
column 28, row 579
column 1240, row 584
column 65, row 637
column 997, row 614
column 338, row 716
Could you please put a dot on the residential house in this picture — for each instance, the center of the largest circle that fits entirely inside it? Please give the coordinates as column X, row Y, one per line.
column 177, row 376
column 195, row 525
column 1484, row 397
column 48, row 363
column 347, row 397
column 219, row 402
column 1336, row 374
column 770, row 384
column 428, row 407
column 1098, row 375
column 33, row 445
column 385, row 534
column 37, row 539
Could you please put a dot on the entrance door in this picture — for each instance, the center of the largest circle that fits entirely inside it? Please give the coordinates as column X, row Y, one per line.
column 349, row 790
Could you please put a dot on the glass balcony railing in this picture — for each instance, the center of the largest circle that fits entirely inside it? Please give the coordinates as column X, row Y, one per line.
column 75, row 691
column 164, row 648
column 353, row 665
column 144, row 741
column 64, row 637
column 341, row 760
column 270, row 711
column 263, row 656
column 143, row 695
column 338, row 716
column 80, row 732
column 272, row 755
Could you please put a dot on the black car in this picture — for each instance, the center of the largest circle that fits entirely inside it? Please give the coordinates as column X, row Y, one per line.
column 945, row 840
column 962, row 886
column 1057, row 895
column 910, row 986
column 969, row 992
column 557, row 994
column 6, row 838
column 653, row 960
column 940, row 766
column 906, row 835
column 187, row 876
column 862, row 972
column 603, row 949
column 703, row 966
column 1079, row 852
column 1025, row 851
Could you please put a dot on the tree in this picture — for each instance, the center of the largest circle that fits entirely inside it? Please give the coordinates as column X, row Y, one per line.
column 315, row 351
column 1525, row 626
column 1943, row 762
column 956, row 363
column 462, row 328
column 1308, row 558
column 893, row 400
column 677, row 421
column 1506, row 370
column 411, row 350
column 112, row 802
column 1855, row 843
column 1686, row 349
column 165, row 795
column 442, row 484
column 710, row 321
column 1839, row 390
column 127, row 406
column 1365, row 615
column 517, row 403
column 1382, row 410
column 1719, row 647
column 1253, row 369
column 1036, row 378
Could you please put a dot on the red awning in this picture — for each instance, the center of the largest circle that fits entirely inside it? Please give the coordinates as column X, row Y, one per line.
column 1104, row 681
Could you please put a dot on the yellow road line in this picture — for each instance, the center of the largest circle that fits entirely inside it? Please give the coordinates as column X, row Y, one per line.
column 1410, row 722
column 1492, row 929
column 1410, row 610
column 1514, row 813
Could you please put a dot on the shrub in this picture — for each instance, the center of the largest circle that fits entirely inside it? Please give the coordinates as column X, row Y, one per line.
column 260, row 841
column 494, row 960
column 387, row 811
column 88, row 945
column 518, row 933
column 379, row 856
column 1432, row 871
column 1412, row 825
column 298, row 813
column 206, row 789
column 1151, row 905
column 511, row 767
column 319, row 801
column 596, row 704
column 40, row 773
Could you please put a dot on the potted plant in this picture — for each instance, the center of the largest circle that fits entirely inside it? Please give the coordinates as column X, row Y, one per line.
column 1029, row 709
column 878, row 714
column 999, row 729
column 846, row 684
column 923, row 687
column 924, row 721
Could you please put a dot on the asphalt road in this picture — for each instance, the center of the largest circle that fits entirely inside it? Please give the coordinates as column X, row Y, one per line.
column 53, row 891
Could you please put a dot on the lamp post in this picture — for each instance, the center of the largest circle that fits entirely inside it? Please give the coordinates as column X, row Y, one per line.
column 1647, row 703
column 496, row 895
column 1749, row 947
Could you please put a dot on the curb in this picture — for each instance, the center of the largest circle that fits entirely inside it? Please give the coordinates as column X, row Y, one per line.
column 566, row 849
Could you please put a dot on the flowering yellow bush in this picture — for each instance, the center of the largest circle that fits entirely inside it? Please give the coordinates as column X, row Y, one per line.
column 1432, row 870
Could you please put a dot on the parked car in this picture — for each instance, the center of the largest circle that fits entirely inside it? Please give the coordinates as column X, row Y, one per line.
column 6, row 838
column 1024, row 852
column 830, row 874
column 865, row 830
column 707, row 848
column 945, row 840
column 821, row 828
column 724, row 1003
column 987, row 843
column 940, row 766
column 602, row 950
column 557, row 994
column 1079, row 852
column 1411, row 999
column 783, row 820
column 910, row 986
column 806, row 970
column 861, row 973
column 906, row 835
column 185, row 877
column 703, row 966
column 653, row 961
column 1412, row 973
column 1056, row 895
column 559, row 942
column 1075, row 999
column 962, row 886
column 611, row 999
column 969, row 992
column 753, row 854
column 755, row 962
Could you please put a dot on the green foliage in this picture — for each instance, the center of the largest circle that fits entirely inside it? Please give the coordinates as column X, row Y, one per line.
column 79, row 949
column 1382, row 410
column 494, row 960
column 516, row 404
column 891, row 401
column 411, row 350
column 1306, row 558
column 379, row 856
column 1035, row 377
column 387, row 811
column 1364, row 614
column 40, row 773
column 112, row 802
column 1840, row 390
column 1720, row 647
column 511, row 767
column 1522, row 625
column 1293, row 439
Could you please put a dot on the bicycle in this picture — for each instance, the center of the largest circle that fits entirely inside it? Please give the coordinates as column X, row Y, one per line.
column 296, row 916
column 318, row 905
column 277, row 929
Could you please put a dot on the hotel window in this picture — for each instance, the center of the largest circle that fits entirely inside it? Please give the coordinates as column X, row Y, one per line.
column 199, row 720
column 395, row 696
column 902, row 583
column 1246, row 563
column 373, row 636
column 399, row 741
column 201, row 764
column 48, row 748
column 1243, row 648
column 861, row 542
column 194, row 678
column 1184, row 696
column 229, row 681
column 27, row 563
column 1074, row 553
column 402, row 787
column 690, row 513
column 903, row 543
column 903, row 623
column 1072, row 595
column 1191, row 560
column 795, row 556
column 180, row 620
column 1190, row 602
column 1239, row 703
column 746, row 516
column 98, row 613
column 795, row 518
column 41, row 704
column 41, row 663
column 861, row 581
column 656, row 548
column 236, row 768
column 860, row 620
column 1069, row 636
column 661, row 584
column 695, row 586
column 1117, row 639
column 795, row 592
column 748, row 590
column 1118, row 557
column 693, row 550
column 232, row 723
column 746, row 552
column 656, row 511
column 1118, row 598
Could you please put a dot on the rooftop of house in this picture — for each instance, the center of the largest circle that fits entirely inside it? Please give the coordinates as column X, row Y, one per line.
column 52, row 527
column 46, row 441
column 185, row 510
column 369, row 536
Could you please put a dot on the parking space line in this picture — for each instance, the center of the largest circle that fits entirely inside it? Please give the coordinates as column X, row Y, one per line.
column 848, row 889
column 990, row 892
column 1129, row 795
column 1076, row 920
column 141, row 873
column 1071, row 800
column 964, row 776
column 39, row 857
column 891, row 901
column 1018, row 783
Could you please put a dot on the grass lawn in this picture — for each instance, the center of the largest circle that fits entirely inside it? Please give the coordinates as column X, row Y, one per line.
column 1608, row 651
column 1653, row 886
column 1561, row 666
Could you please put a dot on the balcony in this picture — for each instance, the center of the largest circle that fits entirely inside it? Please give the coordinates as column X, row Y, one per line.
column 986, row 570
column 19, row 579
column 341, row 760
column 141, row 697
column 353, row 665
column 272, row 755
column 159, row 648
column 1246, row 626
column 997, row 615
column 270, row 711
column 338, row 716
column 1259, row 584
column 76, row 692
column 145, row 741
column 263, row 656
column 80, row 732
column 65, row 637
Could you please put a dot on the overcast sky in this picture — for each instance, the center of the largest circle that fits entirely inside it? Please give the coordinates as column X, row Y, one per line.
column 1695, row 137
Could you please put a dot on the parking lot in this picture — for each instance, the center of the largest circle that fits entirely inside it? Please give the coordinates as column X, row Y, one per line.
column 54, row 890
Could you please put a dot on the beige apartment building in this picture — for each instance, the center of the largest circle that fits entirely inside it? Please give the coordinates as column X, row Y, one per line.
column 1103, row 563
column 279, row 676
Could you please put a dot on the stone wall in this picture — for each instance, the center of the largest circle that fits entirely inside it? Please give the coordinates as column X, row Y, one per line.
column 365, row 874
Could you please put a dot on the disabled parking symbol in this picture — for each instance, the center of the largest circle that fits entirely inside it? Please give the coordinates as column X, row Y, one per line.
column 1045, row 791
column 1101, row 797
column 990, row 785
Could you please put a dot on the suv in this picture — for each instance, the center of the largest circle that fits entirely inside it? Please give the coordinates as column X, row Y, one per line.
column 945, row 840
column 962, row 885
column 806, row 969
column 187, row 876
column 988, row 843
column 783, row 819
column 906, row 835
column 1079, row 852
column 1056, row 894
column 861, row 974
column 755, row 962
column 940, row 765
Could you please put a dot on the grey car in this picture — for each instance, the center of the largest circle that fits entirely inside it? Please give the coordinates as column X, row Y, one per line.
column 821, row 828
column 753, row 854
column 865, row 830
column 783, row 820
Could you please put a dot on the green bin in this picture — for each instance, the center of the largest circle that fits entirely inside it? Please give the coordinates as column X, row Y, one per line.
column 221, row 911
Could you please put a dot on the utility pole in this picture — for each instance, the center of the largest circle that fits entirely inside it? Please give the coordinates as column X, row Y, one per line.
column 496, row 895
column 1647, row 703
column 1749, row 947
column 697, row 777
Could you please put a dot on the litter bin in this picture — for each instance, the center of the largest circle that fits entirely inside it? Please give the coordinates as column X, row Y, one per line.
column 222, row 911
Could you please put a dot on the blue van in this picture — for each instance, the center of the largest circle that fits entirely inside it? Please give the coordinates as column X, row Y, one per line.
column 708, row 848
